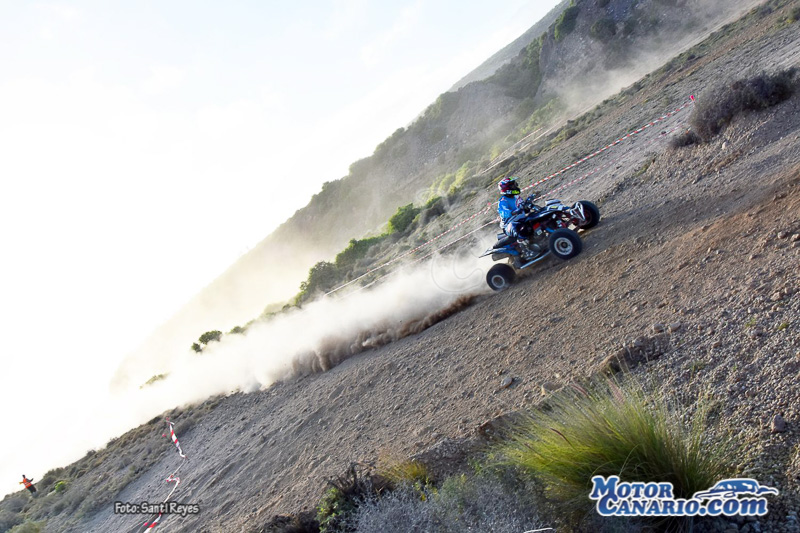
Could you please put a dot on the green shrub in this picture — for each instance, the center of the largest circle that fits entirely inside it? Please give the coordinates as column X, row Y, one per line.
column 403, row 218
column 717, row 108
column 157, row 377
column 333, row 509
column 28, row 527
column 609, row 430
column 566, row 22
column 411, row 473
column 480, row 503
column 439, row 111
column 565, row 134
column 433, row 208
column 341, row 500
column 391, row 144
column 210, row 336
column 357, row 249
column 522, row 77
column 322, row 277
column 50, row 477
column 603, row 30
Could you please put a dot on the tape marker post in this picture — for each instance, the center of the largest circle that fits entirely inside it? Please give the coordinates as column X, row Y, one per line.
column 567, row 168
column 172, row 478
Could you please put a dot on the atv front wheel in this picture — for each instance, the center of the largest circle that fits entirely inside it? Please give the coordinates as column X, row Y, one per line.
column 565, row 243
column 591, row 213
column 500, row 277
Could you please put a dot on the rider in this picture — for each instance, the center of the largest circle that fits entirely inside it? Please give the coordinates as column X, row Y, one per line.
column 509, row 205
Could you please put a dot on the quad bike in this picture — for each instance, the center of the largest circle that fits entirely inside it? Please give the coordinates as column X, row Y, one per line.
column 542, row 231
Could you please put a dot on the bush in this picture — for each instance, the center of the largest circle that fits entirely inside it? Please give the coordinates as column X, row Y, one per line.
column 28, row 527
column 406, row 473
column 403, row 218
column 153, row 379
column 210, row 336
column 603, row 30
column 481, row 503
column 566, row 22
column 715, row 110
column 322, row 277
column 341, row 500
column 609, row 430
column 398, row 512
column 50, row 478
column 439, row 111
column 357, row 249
column 433, row 209
column 686, row 138
column 60, row 486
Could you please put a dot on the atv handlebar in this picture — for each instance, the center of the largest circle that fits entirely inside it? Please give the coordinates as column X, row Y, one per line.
column 527, row 203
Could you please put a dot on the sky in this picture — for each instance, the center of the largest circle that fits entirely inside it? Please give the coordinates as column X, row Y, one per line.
column 145, row 146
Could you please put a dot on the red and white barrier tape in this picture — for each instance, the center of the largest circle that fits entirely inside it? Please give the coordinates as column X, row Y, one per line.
column 172, row 478
column 175, row 438
column 449, row 244
column 539, row 182
column 406, row 254
column 613, row 144
column 607, row 165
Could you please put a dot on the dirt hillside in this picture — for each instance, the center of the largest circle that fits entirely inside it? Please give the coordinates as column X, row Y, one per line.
column 696, row 262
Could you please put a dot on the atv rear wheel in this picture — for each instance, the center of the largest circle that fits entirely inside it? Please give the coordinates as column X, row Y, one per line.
column 591, row 213
column 565, row 243
column 500, row 277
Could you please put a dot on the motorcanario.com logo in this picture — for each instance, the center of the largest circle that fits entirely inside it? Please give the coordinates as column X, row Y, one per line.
column 729, row 497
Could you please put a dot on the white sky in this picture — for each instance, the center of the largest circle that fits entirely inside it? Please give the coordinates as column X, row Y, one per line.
column 144, row 146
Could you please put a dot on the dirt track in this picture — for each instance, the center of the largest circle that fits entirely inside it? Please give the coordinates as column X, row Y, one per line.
column 692, row 241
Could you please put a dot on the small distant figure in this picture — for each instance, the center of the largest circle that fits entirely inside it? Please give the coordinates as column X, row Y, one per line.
column 28, row 484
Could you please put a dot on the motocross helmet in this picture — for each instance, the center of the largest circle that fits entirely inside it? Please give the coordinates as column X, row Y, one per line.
column 508, row 187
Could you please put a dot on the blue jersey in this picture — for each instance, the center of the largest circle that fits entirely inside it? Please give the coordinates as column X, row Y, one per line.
column 506, row 206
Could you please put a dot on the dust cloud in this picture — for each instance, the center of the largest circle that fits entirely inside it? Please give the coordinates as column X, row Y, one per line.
column 620, row 64
column 323, row 333
column 298, row 342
